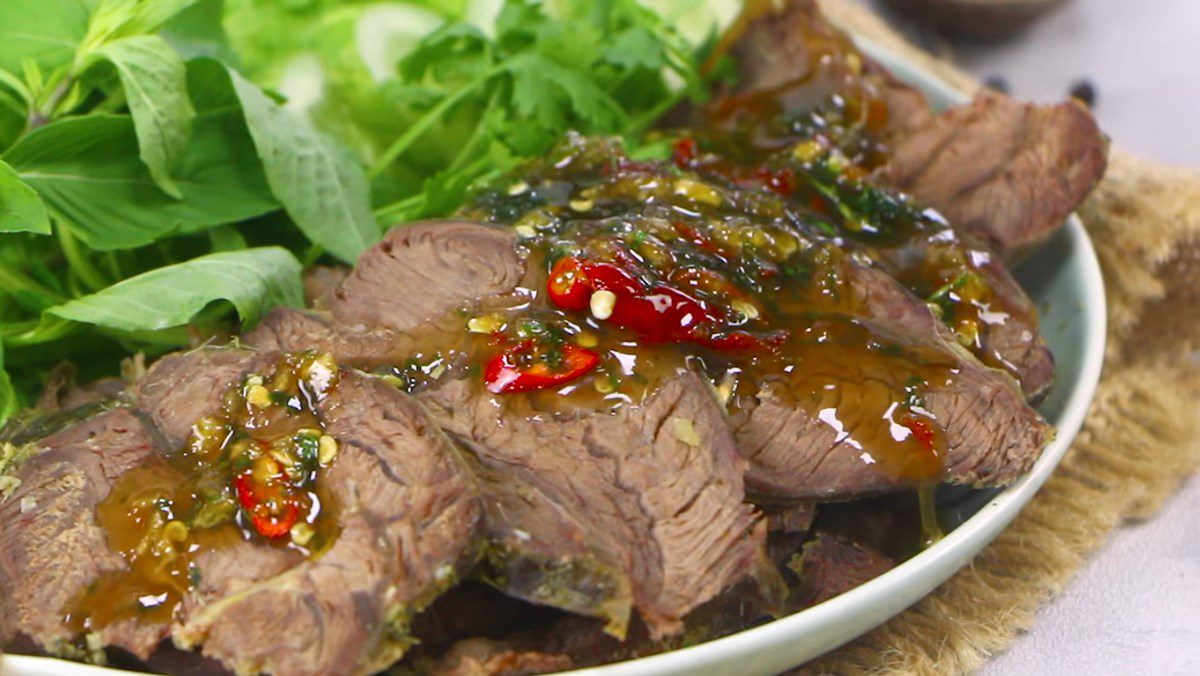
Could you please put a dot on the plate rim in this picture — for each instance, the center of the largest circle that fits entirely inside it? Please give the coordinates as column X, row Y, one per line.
column 899, row 588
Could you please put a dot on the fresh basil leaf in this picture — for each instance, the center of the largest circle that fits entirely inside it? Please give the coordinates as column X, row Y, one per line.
column 21, row 210
column 9, row 402
column 155, row 82
column 253, row 280
column 85, row 171
column 112, row 20
column 321, row 187
column 45, row 31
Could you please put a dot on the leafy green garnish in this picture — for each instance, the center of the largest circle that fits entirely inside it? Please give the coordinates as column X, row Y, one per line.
column 154, row 79
column 151, row 179
column 252, row 280
column 20, row 208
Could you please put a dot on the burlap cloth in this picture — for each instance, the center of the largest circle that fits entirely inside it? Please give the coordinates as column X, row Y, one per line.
column 1140, row 441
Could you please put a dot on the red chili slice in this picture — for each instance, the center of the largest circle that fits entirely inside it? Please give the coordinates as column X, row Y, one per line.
column 661, row 314
column 275, row 527
column 567, row 285
column 502, row 374
column 270, row 526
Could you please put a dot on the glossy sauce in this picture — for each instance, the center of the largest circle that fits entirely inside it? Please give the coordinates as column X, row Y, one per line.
column 814, row 141
column 743, row 256
column 162, row 515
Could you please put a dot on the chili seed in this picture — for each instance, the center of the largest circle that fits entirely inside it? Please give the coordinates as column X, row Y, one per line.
column 327, row 450
column 302, row 533
column 747, row 310
column 258, row 396
column 602, row 304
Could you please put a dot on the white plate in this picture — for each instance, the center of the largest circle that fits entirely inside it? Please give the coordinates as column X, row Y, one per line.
column 1064, row 280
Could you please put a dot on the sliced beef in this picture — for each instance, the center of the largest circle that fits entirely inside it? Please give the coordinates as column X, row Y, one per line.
column 672, row 532
column 420, row 273
column 51, row 548
column 402, row 291
column 484, row 657
column 992, row 435
column 830, row 565
column 639, row 508
column 778, row 47
column 61, row 392
column 409, row 519
column 1001, row 170
column 1004, row 173
column 183, row 387
column 793, row 518
column 787, row 528
column 320, row 281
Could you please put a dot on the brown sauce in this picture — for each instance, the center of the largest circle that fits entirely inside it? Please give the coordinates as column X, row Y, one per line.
column 742, row 254
column 252, row 471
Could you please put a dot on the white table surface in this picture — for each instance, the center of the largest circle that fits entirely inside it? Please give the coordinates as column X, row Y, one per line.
column 1135, row 606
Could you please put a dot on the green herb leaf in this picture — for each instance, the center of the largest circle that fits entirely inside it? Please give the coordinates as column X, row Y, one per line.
column 44, row 31
column 556, row 96
column 84, row 171
column 320, row 186
column 198, row 31
column 21, row 210
column 155, row 82
column 253, row 280
column 112, row 20
column 636, row 48
column 9, row 402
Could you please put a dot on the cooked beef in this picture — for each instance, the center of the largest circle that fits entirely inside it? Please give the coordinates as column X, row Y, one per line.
column 183, row 387
column 409, row 529
column 787, row 529
column 320, row 281
column 992, row 435
column 402, row 290
column 830, row 565
column 1005, row 171
column 51, row 548
column 623, row 507
column 778, row 47
column 408, row 511
column 792, row 518
column 60, row 391
column 422, row 272
column 656, row 524
column 484, row 657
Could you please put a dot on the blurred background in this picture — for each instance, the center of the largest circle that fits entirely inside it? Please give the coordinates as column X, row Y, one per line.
column 1139, row 58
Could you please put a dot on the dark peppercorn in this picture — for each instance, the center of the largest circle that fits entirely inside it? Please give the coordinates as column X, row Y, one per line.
column 996, row 83
column 1085, row 92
